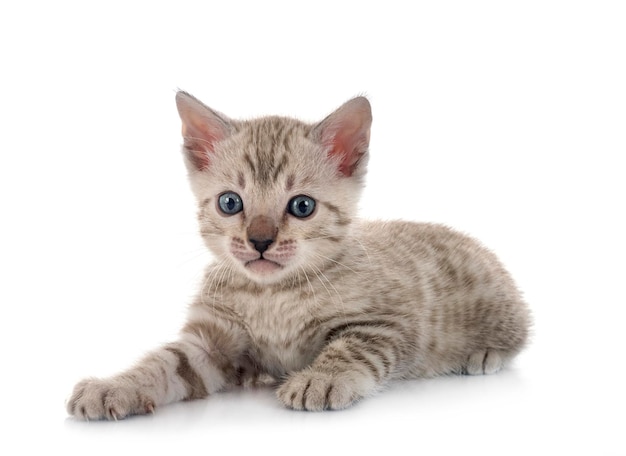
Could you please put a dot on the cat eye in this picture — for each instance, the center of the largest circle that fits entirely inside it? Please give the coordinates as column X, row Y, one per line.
column 301, row 206
column 230, row 203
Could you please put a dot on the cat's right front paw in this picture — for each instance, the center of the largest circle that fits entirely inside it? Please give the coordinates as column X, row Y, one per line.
column 315, row 391
column 112, row 399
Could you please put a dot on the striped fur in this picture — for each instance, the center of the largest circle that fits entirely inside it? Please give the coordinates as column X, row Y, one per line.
column 335, row 307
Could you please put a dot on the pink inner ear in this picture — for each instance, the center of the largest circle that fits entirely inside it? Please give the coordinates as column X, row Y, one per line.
column 350, row 146
column 346, row 132
column 202, row 129
column 199, row 142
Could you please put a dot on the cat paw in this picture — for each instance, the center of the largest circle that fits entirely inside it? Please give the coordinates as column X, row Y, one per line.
column 315, row 391
column 484, row 362
column 95, row 399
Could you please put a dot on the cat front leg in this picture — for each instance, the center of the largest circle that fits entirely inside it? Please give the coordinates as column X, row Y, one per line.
column 182, row 370
column 354, row 364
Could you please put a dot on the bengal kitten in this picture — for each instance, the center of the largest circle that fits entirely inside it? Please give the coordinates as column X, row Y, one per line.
column 303, row 293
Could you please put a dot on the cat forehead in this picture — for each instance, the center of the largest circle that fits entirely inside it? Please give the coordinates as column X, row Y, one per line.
column 273, row 131
column 271, row 150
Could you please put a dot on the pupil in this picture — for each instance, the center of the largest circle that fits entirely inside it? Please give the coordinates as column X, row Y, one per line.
column 301, row 206
column 230, row 203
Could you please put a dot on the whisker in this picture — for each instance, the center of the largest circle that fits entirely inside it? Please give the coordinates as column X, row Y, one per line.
column 306, row 276
column 324, row 257
column 220, row 282
column 319, row 274
column 312, row 288
column 210, row 280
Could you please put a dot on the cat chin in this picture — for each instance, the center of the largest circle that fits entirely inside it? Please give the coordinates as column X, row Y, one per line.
column 263, row 268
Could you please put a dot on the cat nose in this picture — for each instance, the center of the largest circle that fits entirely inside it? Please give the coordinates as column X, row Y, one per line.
column 261, row 245
column 262, row 232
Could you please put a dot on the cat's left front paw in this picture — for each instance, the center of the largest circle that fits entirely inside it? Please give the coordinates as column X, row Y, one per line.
column 315, row 391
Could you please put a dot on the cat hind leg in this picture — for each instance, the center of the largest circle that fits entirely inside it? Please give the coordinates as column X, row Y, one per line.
column 484, row 362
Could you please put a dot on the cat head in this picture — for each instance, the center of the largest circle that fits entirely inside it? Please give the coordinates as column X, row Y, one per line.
column 276, row 196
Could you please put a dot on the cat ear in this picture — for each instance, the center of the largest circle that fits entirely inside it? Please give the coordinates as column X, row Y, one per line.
column 202, row 128
column 346, row 133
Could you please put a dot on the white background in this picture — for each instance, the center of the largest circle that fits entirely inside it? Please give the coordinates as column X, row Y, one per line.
column 503, row 119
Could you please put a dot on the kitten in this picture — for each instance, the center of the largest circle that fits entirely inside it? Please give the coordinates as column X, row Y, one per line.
column 330, row 307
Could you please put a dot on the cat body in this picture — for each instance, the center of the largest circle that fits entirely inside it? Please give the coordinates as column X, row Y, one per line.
column 302, row 293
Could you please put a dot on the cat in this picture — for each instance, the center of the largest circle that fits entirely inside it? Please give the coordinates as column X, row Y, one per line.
column 304, row 295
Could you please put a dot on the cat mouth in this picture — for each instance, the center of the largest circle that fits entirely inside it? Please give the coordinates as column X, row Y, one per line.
column 263, row 266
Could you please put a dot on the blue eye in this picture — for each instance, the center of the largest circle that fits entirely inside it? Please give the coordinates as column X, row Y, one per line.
column 230, row 203
column 301, row 206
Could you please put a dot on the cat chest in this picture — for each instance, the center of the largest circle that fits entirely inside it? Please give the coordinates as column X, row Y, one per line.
column 283, row 336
